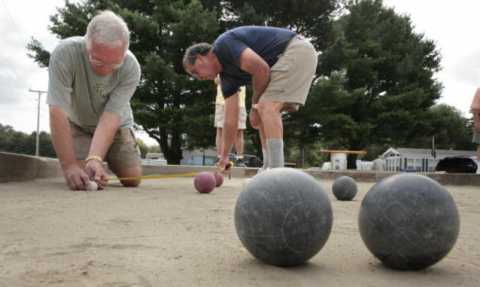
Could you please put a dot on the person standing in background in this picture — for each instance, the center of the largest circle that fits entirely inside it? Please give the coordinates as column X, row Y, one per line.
column 219, row 123
column 475, row 109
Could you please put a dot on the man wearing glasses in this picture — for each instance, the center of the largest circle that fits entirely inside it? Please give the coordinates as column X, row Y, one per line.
column 91, row 82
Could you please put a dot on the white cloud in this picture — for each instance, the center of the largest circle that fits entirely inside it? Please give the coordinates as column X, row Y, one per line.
column 467, row 69
column 19, row 21
column 453, row 27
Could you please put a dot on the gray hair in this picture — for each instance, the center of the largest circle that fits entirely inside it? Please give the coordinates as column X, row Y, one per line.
column 193, row 51
column 109, row 29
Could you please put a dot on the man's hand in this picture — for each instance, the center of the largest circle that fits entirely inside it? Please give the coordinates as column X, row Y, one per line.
column 101, row 142
column 224, row 165
column 97, row 173
column 254, row 118
column 76, row 177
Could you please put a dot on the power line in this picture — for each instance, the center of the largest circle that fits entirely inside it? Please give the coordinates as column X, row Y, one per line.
column 37, row 143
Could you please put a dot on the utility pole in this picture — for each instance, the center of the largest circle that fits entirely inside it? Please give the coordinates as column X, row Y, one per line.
column 37, row 144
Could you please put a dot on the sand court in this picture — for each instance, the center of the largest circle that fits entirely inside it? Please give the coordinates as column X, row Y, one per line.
column 166, row 234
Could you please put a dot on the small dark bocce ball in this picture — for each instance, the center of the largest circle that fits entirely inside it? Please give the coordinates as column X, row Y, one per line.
column 204, row 182
column 344, row 188
column 283, row 217
column 408, row 221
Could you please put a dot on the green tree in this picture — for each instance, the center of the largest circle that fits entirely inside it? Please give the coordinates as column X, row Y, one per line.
column 19, row 142
column 142, row 147
column 449, row 127
column 310, row 18
column 388, row 78
column 168, row 105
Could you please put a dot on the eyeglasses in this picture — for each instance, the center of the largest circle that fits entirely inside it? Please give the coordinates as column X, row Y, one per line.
column 99, row 63
column 194, row 74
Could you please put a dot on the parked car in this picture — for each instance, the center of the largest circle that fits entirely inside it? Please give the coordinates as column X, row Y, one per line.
column 249, row 160
column 457, row 164
column 155, row 159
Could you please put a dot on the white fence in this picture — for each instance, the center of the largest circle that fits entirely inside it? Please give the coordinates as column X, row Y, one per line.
column 397, row 163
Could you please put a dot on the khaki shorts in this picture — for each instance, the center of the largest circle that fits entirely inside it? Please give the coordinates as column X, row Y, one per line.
column 220, row 117
column 292, row 75
column 123, row 153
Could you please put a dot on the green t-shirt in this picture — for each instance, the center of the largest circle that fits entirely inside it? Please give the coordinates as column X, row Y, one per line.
column 82, row 94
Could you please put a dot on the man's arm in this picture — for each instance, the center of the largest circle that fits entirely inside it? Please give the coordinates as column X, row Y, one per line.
column 230, row 124
column 60, row 81
column 110, row 120
column 75, row 176
column 102, row 139
column 119, row 99
column 253, row 64
column 104, row 133
column 101, row 142
column 62, row 137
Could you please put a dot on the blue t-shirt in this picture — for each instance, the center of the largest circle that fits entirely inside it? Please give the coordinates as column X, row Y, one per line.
column 267, row 42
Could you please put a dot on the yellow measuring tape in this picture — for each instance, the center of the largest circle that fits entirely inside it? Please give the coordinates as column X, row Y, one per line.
column 168, row 175
column 154, row 176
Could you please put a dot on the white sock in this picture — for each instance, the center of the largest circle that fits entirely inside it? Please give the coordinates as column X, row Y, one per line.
column 275, row 153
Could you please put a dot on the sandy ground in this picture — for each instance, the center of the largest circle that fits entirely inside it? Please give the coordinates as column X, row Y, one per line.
column 166, row 234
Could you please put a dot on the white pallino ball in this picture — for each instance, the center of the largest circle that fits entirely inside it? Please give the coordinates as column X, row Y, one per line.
column 92, row 186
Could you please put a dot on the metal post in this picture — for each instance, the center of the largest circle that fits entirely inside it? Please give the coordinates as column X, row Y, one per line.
column 37, row 142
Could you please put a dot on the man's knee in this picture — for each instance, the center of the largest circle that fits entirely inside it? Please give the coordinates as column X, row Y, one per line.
column 268, row 108
column 131, row 182
column 130, row 177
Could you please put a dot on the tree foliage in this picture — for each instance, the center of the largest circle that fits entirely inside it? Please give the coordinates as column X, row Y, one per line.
column 374, row 87
column 19, row 142
column 170, row 106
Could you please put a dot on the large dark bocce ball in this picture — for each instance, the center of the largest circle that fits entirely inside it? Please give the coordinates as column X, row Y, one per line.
column 344, row 188
column 408, row 221
column 283, row 217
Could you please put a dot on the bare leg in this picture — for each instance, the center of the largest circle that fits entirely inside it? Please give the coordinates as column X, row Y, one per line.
column 272, row 126
column 218, row 141
column 135, row 172
column 263, row 142
column 239, row 143
column 270, row 113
